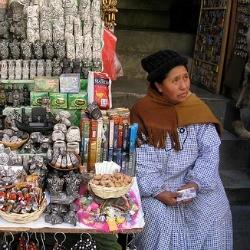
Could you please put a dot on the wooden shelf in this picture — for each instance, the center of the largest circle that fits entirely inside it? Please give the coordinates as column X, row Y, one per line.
column 72, row 230
column 214, row 40
column 6, row 81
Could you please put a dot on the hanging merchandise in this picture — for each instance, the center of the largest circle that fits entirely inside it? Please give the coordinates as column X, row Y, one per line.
column 210, row 44
column 111, row 64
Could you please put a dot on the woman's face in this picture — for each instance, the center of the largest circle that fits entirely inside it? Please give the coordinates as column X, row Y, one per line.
column 175, row 87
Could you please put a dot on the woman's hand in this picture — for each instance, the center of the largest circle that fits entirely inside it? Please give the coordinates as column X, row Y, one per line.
column 189, row 185
column 168, row 198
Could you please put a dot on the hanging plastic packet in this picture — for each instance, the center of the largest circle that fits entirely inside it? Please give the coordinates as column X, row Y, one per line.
column 99, row 89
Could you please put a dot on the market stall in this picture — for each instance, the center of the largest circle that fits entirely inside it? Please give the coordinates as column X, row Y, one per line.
column 67, row 159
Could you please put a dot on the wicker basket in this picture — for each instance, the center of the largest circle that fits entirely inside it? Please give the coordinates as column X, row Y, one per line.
column 14, row 145
column 109, row 192
column 24, row 218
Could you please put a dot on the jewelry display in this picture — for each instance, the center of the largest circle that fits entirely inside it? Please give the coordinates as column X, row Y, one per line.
column 86, row 242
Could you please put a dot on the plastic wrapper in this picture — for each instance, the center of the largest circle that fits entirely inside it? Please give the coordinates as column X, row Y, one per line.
column 99, row 89
column 111, row 64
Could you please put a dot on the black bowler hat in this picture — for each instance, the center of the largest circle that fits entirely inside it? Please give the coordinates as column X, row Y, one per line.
column 160, row 63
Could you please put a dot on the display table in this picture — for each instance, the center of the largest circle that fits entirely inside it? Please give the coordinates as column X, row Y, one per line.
column 41, row 226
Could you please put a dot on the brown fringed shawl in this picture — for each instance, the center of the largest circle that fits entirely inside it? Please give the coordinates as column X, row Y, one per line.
column 157, row 117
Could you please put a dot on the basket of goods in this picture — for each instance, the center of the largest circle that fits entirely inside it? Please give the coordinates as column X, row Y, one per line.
column 110, row 185
column 13, row 139
column 23, row 203
column 65, row 161
column 9, row 175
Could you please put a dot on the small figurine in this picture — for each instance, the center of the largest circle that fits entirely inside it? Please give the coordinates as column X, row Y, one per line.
column 16, row 98
column 26, row 95
column 2, row 97
column 48, row 50
column 38, row 50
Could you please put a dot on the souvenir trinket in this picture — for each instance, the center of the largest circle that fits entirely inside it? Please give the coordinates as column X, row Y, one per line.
column 48, row 68
column 26, row 52
column 26, row 95
column 86, row 242
column 58, row 135
column 72, row 181
column 15, row 49
column 26, row 69
column 55, row 184
column 49, row 50
column 60, row 49
column 2, row 98
column 33, row 68
column 67, row 68
column 61, row 126
column 40, row 67
column 73, row 134
column 70, row 218
column 94, row 111
column 59, row 245
column 4, row 49
column 18, row 70
column 4, row 29
column 37, row 50
column 16, row 98
column 56, row 67
column 53, row 218
column 11, row 69
column 4, row 69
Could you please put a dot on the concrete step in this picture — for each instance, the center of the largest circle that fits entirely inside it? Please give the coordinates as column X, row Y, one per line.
column 133, row 45
column 241, row 226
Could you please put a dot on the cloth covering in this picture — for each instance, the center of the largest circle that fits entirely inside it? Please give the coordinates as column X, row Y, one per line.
column 206, row 222
column 157, row 117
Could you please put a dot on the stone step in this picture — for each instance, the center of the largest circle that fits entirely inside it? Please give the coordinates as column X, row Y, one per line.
column 133, row 45
column 241, row 226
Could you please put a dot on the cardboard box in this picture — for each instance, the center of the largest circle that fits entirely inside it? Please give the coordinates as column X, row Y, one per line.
column 83, row 84
column 70, row 83
column 78, row 101
column 36, row 98
column 58, row 100
column 48, row 84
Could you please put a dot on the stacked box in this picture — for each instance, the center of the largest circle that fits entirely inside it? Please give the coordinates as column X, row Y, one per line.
column 58, row 100
column 77, row 101
column 36, row 98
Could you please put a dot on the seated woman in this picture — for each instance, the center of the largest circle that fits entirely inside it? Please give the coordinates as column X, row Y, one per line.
column 179, row 149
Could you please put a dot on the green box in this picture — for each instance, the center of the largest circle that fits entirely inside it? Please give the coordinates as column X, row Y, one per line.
column 49, row 84
column 58, row 100
column 36, row 98
column 78, row 101
column 83, row 84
